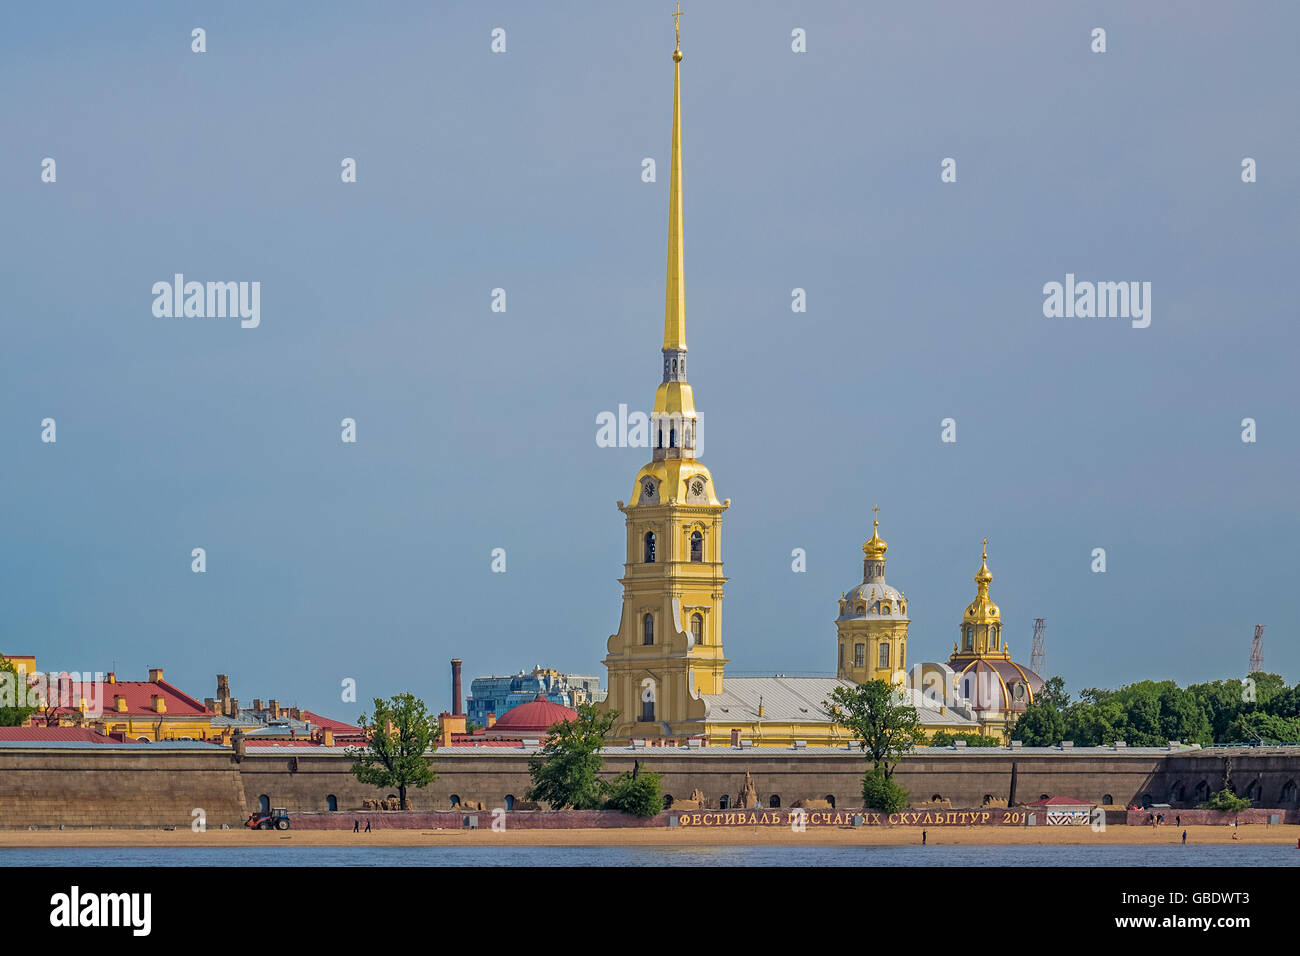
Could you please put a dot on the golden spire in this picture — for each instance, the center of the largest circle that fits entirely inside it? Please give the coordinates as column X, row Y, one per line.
column 875, row 548
column 675, row 292
column 983, row 577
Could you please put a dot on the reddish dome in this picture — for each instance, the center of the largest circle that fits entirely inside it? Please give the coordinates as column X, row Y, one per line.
column 537, row 715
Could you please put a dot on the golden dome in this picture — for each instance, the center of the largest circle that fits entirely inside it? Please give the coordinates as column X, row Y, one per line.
column 876, row 547
column 983, row 608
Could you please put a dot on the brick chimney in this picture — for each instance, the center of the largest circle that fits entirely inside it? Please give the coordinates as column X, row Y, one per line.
column 112, row 678
column 275, row 709
column 155, row 675
column 234, row 708
column 257, row 704
column 491, row 719
column 328, row 737
column 456, row 706
column 119, row 703
column 159, row 703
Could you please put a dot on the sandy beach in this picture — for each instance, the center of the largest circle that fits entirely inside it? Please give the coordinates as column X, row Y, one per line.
column 673, row 836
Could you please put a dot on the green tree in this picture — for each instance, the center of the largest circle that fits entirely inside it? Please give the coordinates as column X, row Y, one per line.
column 1268, row 728
column 13, row 696
column 1041, row 725
column 1053, row 692
column 640, row 794
column 1225, row 799
column 881, row 793
column 885, row 727
column 567, row 771
column 399, row 740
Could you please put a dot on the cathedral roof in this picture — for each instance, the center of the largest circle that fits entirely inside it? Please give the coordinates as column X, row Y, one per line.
column 800, row 699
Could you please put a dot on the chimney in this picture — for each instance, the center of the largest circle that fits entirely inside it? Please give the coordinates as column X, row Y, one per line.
column 456, row 707
column 155, row 675
column 159, row 704
column 257, row 704
column 328, row 737
column 444, row 730
column 234, row 708
column 119, row 703
column 491, row 719
column 112, row 678
column 275, row 709
column 223, row 686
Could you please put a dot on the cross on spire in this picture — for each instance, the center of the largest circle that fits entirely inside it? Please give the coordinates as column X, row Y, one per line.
column 677, row 26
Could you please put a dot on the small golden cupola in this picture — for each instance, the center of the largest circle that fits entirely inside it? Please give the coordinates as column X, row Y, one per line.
column 981, row 625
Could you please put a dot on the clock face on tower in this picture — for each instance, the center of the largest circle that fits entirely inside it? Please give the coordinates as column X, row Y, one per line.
column 648, row 488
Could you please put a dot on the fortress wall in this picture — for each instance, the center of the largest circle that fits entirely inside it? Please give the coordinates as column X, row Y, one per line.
column 115, row 789
column 112, row 787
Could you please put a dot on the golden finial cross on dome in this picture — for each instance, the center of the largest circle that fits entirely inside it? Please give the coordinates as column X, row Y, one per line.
column 677, row 26
column 986, row 548
column 876, row 510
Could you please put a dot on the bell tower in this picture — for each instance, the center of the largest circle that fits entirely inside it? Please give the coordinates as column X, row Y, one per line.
column 667, row 655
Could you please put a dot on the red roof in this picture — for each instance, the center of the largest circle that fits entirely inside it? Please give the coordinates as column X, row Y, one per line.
column 1062, row 802
column 325, row 723
column 39, row 734
column 536, row 715
column 139, row 696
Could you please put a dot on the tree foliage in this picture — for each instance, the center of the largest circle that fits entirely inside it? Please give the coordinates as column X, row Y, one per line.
column 1226, row 800
column 566, row 773
column 1151, row 713
column 640, row 795
column 943, row 738
column 885, row 727
column 881, row 793
column 13, row 696
column 399, row 740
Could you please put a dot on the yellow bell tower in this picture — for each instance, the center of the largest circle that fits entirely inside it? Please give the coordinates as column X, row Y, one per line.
column 667, row 655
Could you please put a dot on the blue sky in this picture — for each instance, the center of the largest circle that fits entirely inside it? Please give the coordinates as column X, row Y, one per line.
column 476, row 429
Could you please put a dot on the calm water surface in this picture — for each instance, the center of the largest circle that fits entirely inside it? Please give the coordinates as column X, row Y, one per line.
column 1176, row 855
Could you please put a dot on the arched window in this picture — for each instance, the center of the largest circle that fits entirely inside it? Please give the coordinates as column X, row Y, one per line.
column 510, row 801
column 697, row 627
column 647, row 710
column 724, row 802
column 1203, row 791
column 1176, row 793
column 332, row 803
column 697, row 547
column 668, row 801
column 649, row 547
column 264, row 803
column 672, row 438
column 859, row 655
column 1043, row 796
column 1289, row 792
column 841, row 654
column 648, row 629
column 454, row 800
column 1147, row 801
column 884, row 653
column 774, row 801
column 969, row 639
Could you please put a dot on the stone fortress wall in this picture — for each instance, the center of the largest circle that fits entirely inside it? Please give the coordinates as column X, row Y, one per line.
column 133, row 787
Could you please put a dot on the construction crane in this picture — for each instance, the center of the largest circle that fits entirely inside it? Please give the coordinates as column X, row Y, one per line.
column 1257, row 650
column 1038, row 656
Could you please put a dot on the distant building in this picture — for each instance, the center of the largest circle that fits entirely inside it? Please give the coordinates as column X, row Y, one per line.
column 500, row 695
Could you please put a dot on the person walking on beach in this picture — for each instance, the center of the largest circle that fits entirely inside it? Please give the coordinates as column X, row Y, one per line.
column 367, row 824
column 356, row 826
column 1184, row 838
column 1178, row 820
column 922, row 838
